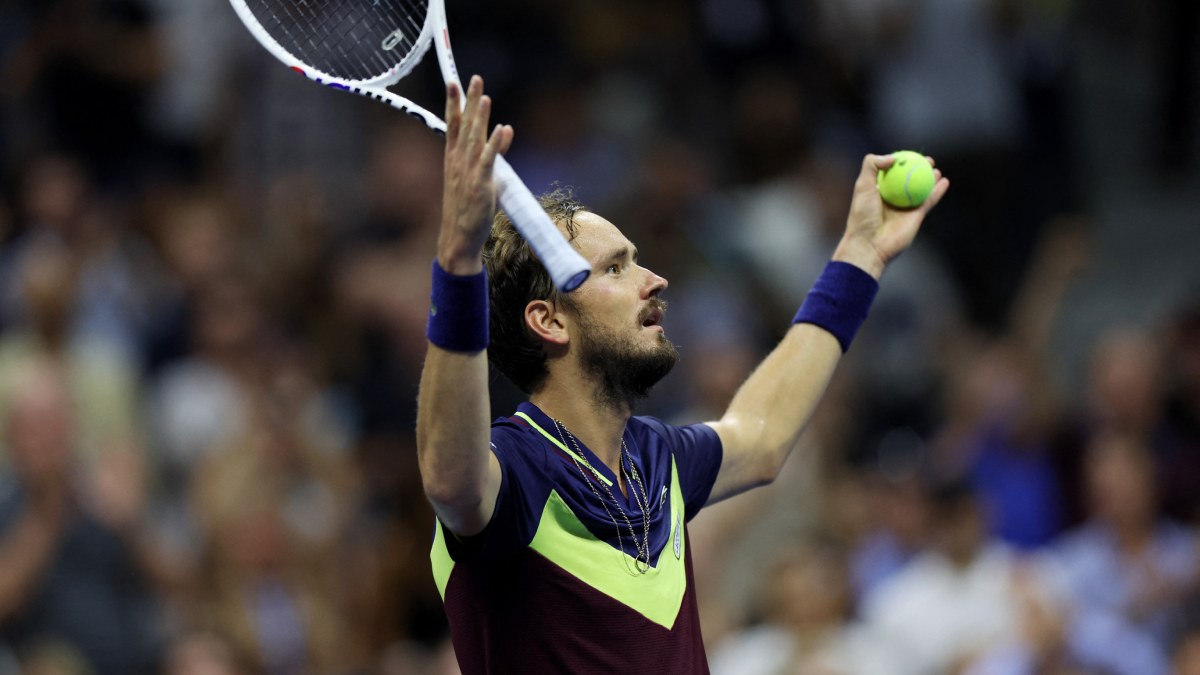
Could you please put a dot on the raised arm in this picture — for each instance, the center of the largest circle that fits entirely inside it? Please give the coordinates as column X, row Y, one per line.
column 460, row 474
column 764, row 421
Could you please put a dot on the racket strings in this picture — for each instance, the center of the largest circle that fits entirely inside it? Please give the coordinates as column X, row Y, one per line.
column 321, row 44
column 348, row 39
column 342, row 33
column 350, row 22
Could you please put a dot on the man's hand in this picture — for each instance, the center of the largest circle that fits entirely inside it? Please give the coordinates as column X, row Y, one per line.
column 469, row 193
column 876, row 232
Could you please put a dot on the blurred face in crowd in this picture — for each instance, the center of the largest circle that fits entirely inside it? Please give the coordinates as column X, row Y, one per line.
column 228, row 317
column 903, row 510
column 808, row 589
column 49, row 277
column 960, row 527
column 618, row 314
column 55, row 193
column 1120, row 481
column 197, row 241
column 40, row 426
column 201, row 654
column 1125, row 380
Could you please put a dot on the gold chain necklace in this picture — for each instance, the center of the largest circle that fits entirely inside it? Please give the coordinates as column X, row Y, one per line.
column 642, row 561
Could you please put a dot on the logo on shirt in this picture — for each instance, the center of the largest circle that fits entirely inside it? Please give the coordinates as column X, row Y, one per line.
column 663, row 497
column 678, row 535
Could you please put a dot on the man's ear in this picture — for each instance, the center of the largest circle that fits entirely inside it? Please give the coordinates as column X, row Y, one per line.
column 546, row 321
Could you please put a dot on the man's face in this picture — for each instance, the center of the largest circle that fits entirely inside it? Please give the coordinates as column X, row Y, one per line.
column 617, row 315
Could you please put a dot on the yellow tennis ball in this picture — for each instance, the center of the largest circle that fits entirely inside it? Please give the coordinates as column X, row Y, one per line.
column 907, row 182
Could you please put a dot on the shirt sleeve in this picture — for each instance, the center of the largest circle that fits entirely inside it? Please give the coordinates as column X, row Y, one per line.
column 697, row 452
column 514, row 520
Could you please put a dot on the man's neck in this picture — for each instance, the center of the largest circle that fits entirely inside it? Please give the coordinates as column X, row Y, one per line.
column 598, row 426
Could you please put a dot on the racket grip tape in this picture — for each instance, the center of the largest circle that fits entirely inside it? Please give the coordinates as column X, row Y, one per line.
column 839, row 301
column 567, row 268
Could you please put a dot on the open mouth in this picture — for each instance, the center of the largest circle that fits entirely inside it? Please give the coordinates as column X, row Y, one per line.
column 652, row 318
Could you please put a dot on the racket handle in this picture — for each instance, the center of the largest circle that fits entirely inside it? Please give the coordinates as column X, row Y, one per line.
column 567, row 268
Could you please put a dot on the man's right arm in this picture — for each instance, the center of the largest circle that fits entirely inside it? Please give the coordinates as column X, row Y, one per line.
column 460, row 474
column 459, row 471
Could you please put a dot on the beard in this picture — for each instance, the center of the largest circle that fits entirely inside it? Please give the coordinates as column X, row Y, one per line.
column 626, row 370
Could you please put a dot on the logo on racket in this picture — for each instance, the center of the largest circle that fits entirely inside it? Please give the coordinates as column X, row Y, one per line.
column 394, row 38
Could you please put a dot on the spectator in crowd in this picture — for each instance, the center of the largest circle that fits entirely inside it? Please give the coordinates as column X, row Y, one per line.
column 1127, row 570
column 73, row 588
column 954, row 602
column 113, row 286
column 202, row 400
column 102, row 384
column 1004, row 406
column 1126, row 383
column 806, row 622
column 896, row 532
column 196, row 235
column 273, row 506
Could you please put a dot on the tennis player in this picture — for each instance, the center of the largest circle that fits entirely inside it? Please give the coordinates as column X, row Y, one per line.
column 561, row 543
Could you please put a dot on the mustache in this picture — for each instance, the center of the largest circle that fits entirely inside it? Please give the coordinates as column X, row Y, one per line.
column 654, row 305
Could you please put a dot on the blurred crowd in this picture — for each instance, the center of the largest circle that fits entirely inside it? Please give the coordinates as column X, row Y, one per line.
column 214, row 282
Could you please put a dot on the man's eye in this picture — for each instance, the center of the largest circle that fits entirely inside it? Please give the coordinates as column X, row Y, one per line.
column 613, row 269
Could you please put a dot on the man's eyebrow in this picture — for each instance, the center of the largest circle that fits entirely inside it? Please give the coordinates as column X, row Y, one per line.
column 621, row 253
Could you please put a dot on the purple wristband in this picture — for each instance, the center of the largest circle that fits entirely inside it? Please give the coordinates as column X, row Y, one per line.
column 839, row 301
column 458, row 311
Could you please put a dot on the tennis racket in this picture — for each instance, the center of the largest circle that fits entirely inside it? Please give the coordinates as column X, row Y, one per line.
column 364, row 47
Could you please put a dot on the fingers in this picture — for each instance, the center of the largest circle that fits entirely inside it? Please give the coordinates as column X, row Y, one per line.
column 469, row 190
column 479, row 126
column 453, row 114
column 879, row 162
column 940, row 185
column 939, row 190
column 466, row 122
column 476, row 115
column 499, row 143
column 506, row 139
column 871, row 166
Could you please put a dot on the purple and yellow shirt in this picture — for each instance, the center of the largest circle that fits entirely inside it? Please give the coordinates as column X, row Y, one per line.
column 550, row 585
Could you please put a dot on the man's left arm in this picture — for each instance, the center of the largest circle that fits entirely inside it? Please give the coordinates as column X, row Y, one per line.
column 770, row 410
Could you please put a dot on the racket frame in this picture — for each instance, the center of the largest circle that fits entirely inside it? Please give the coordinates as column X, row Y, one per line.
column 565, row 265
